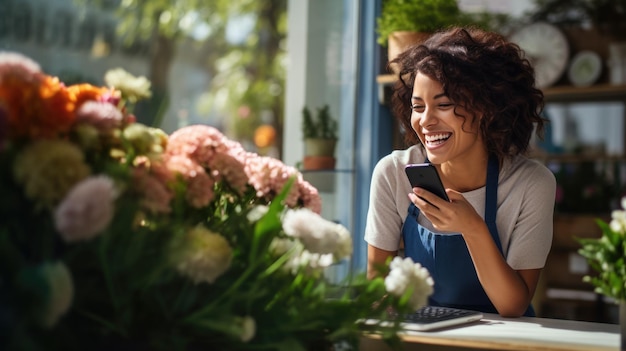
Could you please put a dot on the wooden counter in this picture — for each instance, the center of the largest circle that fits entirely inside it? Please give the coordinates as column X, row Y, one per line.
column 496, row 333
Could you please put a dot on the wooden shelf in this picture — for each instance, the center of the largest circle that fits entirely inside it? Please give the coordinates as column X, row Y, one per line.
column 600, row 92
column 577, row 158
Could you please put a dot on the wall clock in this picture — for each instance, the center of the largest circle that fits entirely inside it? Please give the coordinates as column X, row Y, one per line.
column 585, row 68
column 547, row 49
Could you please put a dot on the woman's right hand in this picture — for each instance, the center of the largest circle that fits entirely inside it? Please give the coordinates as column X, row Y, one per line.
column 457, row 215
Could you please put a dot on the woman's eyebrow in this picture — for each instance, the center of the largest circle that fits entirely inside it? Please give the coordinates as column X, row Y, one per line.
column 436, row 97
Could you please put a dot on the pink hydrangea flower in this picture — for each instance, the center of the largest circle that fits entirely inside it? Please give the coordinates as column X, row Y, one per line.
column 200, row 190
column 86, row 210
column 230, row 169
column 309, row 196
column 155, row 196
column 199, row 184
column 198, row 142
column 268, row 176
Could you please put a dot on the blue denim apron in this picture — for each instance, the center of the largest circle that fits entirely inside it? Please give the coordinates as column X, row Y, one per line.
column 447, row 259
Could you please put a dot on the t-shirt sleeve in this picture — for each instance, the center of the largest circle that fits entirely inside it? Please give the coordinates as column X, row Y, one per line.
column 532, row 236
column 384, row 222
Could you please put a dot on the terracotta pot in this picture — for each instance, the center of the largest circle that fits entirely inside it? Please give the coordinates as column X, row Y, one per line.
column 311, row 163
column 400, row 41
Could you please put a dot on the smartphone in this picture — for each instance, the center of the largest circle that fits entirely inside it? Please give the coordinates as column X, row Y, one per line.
column 424, row 175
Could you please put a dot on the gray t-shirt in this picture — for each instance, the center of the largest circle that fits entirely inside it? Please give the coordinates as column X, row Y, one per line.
column 526, row 193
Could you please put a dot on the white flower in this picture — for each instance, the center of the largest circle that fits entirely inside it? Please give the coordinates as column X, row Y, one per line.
column 203, row 255
column 61, row 291
column 407, row 276
column 87, row 209
column 623, row 202
column 318, row 234
column 313, row 262
column 344, row 244
column 300, row 259
column 280, row 246
column 133, row 88
column 618, row 222
column 248, row 328
column 257, row 213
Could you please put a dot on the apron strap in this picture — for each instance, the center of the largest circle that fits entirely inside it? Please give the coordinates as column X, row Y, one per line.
column 491, row 199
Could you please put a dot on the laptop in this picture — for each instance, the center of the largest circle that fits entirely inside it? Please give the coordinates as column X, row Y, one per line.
column 434, row 317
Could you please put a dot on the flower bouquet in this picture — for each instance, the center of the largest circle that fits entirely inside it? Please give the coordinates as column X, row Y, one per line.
column 115, row 235
column 607, row 256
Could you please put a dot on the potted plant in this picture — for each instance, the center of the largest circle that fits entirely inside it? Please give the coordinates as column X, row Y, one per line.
column 406, row 22
column 320, row 138
column 605, row 255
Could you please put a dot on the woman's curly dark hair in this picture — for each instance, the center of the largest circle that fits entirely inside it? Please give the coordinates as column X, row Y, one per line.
column 483, row 73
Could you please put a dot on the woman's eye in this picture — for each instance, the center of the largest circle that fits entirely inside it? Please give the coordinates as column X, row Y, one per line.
column 417, row 107
column 446, row 105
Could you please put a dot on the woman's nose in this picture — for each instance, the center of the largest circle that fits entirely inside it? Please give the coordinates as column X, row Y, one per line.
column 427, row 118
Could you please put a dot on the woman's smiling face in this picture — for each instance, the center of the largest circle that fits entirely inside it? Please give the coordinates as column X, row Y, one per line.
column 445, row 135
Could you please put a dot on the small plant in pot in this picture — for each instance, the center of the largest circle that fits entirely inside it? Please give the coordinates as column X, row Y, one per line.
column 403, row 23
column 320, row 138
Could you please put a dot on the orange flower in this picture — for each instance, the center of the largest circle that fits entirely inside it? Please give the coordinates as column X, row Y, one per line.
column 14, row 95
column 36, row 108
column 86, row 92
column 57, row 106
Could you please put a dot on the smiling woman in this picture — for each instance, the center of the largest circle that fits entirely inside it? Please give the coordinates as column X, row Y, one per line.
column 468, row 100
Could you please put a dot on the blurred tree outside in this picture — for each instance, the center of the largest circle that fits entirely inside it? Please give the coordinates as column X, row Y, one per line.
column 243, row 46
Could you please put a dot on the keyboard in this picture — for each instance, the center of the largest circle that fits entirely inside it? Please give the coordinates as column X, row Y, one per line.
column 434, row 317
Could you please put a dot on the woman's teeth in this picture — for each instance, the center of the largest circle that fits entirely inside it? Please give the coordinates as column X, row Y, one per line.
column 436, row 139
